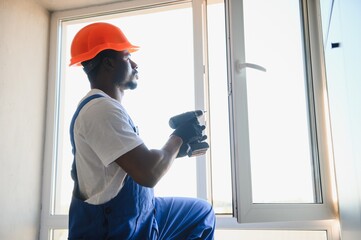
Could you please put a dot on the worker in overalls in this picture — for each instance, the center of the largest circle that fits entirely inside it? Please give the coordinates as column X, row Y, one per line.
column 114, row 172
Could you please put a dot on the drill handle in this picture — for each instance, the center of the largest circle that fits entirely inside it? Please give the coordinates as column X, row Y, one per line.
column 197, row 149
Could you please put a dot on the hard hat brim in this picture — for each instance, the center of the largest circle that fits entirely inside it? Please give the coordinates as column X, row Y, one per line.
column 76, row 60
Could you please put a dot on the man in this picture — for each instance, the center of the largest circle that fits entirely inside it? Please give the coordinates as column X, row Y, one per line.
column 113, row 170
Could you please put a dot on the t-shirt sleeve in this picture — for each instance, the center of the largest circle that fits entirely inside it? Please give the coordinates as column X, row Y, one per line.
column 108, row 131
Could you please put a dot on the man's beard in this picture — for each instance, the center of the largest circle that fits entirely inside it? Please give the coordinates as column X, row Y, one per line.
column 132, row 84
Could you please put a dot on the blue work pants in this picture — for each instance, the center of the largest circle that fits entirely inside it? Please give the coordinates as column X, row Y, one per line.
column 135, row 214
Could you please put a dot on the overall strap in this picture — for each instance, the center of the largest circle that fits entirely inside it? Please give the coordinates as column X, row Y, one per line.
column 74, row 175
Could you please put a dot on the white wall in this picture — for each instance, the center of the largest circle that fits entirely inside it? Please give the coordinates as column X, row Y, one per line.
column 343, row 64
column 24, row 28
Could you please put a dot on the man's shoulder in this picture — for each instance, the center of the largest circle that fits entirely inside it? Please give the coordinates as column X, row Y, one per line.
column 104, row 107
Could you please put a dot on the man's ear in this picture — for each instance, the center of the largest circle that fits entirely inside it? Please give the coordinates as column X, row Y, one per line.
column 108, row 63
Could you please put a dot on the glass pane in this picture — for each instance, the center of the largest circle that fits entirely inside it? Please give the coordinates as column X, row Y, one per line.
column 218, row 100
column 73, row 85
column 281, row 159
column 165, row 88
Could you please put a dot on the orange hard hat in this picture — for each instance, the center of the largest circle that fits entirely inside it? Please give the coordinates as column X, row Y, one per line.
column 96, row 37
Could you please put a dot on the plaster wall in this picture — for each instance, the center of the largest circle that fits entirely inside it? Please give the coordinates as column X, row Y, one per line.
column 24, row 30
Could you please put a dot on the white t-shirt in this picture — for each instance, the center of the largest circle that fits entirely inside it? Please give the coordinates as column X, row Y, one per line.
column 102, row 133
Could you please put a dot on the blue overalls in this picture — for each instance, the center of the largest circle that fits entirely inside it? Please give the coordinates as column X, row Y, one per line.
column 135, row 214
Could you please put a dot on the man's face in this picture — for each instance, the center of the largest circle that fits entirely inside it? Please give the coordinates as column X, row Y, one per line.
column 127, row 74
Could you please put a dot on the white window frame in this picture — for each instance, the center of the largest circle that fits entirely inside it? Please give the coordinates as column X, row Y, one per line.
column 244, row 209
column 51, row 221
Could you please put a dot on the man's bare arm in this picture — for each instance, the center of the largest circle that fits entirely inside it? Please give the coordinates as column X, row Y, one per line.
column 147, row 167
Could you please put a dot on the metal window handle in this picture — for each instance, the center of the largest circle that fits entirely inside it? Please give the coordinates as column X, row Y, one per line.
column 335, row 45
column 239, row 66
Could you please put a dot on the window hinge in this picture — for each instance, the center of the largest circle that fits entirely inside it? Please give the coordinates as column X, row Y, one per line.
column 229, row 89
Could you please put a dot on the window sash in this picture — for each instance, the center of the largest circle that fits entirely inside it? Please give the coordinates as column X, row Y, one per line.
column 244, row 209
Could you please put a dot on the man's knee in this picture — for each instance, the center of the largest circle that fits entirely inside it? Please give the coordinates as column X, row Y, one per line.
column 206, row 211
column 206, row 221
column 205, row 206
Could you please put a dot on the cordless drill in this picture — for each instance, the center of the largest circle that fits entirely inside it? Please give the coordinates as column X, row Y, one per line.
column 198, row 147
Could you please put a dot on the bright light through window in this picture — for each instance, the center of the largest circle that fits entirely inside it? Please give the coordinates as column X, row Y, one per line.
column 165, row 88
column 219, row 116
column 278, row 117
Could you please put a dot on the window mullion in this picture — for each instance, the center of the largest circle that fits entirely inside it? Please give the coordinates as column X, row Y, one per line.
column 200, row 86
column 241, row 178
